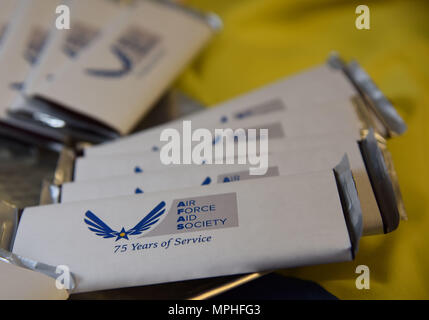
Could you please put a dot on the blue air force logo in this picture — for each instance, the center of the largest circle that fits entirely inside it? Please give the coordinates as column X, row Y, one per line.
column 96, row 225
column 129, row 49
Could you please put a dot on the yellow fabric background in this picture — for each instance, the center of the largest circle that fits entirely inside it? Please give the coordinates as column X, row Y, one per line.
column 264, row 40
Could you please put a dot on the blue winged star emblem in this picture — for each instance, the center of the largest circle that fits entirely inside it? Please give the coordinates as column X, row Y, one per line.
column 96, row 225
column 126, row 66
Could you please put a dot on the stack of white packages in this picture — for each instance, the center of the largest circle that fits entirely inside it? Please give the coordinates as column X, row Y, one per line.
column 131, row 51
column 291, row 174
column 172, row 203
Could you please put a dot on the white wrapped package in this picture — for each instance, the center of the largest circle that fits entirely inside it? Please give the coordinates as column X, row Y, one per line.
column 132, row 65
column 370, row 162
column 279, row 164
column 26, row 37
column 89, row 19
column 223, row 229
column 22, row 284
column 280, row 130
column 313, row 154
column 321, row 89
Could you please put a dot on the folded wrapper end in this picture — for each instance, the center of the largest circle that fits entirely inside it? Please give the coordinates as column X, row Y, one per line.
column 65, row 166
column 53, row 272
column 350, row 202
column 376, row 101
column 383, row 107
column 394, row 179
column 384, row 185
column 9, row 217
column 50, row 194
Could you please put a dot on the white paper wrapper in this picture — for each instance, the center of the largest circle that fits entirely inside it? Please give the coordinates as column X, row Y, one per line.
column 89, row 20
column 321, row 89
column 280, row 130
column 310, row 156
column 235, row 228
column 380, row 111
column 132, row 65
column 26, row 36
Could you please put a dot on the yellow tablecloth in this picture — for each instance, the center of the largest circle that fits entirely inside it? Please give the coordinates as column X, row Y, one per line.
column 264, row 40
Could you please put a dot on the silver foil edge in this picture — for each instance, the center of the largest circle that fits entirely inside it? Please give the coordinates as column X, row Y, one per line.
column 47, row 118
column 383, row 183
column 50, row 194
column 65, row 166
column 46, row 269
column 373, row 97
column 383, row 107
column 367, row 120
column 388, row 160
column 9, row 217
column 350, row 202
